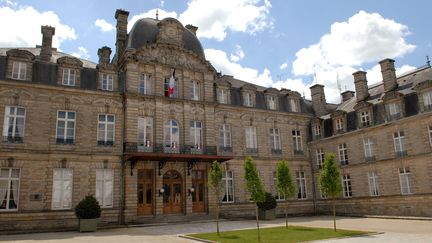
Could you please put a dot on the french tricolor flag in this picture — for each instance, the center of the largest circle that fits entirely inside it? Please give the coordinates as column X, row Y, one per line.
column 171, row 84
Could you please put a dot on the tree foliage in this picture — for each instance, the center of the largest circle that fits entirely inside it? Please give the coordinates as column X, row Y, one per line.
column 254, row 183
column 330, row 181
column 215, row 184
column 285, row 184
column 88, row 208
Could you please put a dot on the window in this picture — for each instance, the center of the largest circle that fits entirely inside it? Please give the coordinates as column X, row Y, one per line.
column 278, row 195
column 427, row 101
column 13, row 126
column 104, row 187
column 68, row 77
column 171, row 134
column 297, row 142
column 145, row 84
column 251, row 139
column 65, row 127
column 171, row 88
column 343, row 154
column 62, row 189
column 225, row 136
column 107, row 82
column 196, row 134
column 228, row 184
column 339, row 125
column 145, row 132
column 9, row 188
column 294, row 105
column 399, row 143
column 19, row 70
column 248, row 101
column 368, row 149
column 394, row 110
column 405, row 180
column 320, row 157
column 271, row 102
column 317, row 131
column 106, row 124
column 430, row 134
column 195, row 90
column 364, row 117
column 373, row 184
column 275, row 143
column 346, row 186
column 301, row 185
column 223, row 96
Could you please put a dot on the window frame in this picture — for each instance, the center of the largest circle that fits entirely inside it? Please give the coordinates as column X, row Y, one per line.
column 62, row 197
column 430, row 134
column 15, row 117
column 365, row 118
column 251, row 137
column 19, row 70
column 405, row 176
column 223, row 96
column 104, row 180
column 71, row 77
column 271, row 102
column 368, row 148
column 227, row 177
column 225, row 136
column 339, row 125
column 107, row 82
column 9, row 180
column 280, row 197
column 427, row 100
column 66, row 121
column 394, row 110
column 145, row 123
column 248, row 100
column 106, row 124
column 373, row 184
column 301, row 185
column 196, row 134
column 174, row 137
column 145, row 84
column 320, row 156
column 275, row 142
column 347, row 186
column 399, row 143
column 343, row 154
column 195, row 90
column 294, row 105
column 297, row 141
column 317, row 130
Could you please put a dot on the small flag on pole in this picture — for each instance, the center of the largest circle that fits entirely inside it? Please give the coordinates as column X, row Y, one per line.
column 171, row 84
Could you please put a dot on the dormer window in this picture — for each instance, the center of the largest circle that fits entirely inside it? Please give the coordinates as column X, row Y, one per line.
column 222, row 96
column 19, row 70
column 271, row 102
column 145, row 84
column 294, row 105
column 394, row 110
column 107, row 82
column 317, row 131
column 195, row 90
column 247, row 99
column 365, row 118
column 339, row 125
column 68, row 77
column 427, row 101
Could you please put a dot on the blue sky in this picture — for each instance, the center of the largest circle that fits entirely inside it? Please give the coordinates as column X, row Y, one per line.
column 289, row 44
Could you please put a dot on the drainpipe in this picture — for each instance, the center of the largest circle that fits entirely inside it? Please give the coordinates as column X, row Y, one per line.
column 123, row 161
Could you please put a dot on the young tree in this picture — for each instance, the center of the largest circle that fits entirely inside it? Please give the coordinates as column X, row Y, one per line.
column 330, row 181
column 254, row 186
column 215, row 184
column 285, row 184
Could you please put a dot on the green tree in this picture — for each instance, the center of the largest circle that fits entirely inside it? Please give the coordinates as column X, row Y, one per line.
column 215, row 184
column 285, row 184
column 330, row 181
column 254, row 186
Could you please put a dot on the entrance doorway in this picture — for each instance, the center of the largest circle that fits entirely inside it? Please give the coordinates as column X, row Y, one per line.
column 145, row 192
column 198, row 183
column 173, row 193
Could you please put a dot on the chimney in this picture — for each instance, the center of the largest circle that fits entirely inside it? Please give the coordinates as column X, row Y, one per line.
column 389, row 74
column 318, row 99
column 346, row 95
column 192, row 28
column 361, row 86
column 104, row 54
column 121, row 16
column 46, row 48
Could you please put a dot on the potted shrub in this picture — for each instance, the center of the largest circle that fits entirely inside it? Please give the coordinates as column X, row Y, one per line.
column 88, row 212
column 267, row 209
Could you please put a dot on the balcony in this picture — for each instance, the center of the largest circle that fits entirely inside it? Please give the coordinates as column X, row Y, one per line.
column 394, row 116
column 298, row 152
column 370, row 159
column 65, row 141
column 11, row 139
column 225, row 150
column 160, row 148
column 400, row 154
column 276, row 151
column 252, row 151
column 105, row 143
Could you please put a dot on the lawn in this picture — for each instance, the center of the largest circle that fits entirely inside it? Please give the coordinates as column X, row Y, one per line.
column 278, row 234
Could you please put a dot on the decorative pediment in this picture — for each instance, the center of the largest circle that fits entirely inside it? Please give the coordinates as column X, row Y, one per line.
column 72, row 61
column 248, row 87
column 391, row 95
column 223, row 83
column 170, row 32
column 338, row 113
column 21, row 54
column 362, row 105
column 271, row 91
column 427, row 84
column 294, row 94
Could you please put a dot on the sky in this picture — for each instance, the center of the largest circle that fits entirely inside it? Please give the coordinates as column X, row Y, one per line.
column 272, row 43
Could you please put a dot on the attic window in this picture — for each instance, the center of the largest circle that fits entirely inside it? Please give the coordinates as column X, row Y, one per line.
column 19, row 70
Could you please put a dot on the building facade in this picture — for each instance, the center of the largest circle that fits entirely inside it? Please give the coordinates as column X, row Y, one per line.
column 140, row 130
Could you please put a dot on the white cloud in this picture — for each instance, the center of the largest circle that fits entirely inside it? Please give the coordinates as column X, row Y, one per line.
column 26, row 28
column 364, row 38
column 104, row 25
column 219, row 59
column 293, row 84
column 283, row 65
column 374, row 74
column 214, row 18
column 81, row 53
column 162, row 3
column 151, row 14
column 237, row 55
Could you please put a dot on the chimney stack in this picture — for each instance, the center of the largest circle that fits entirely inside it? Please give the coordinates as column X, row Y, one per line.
column 318, row 99
column 104, row 54
column 46, row 48
column 192, row 28
column 122, row 21
column 388, row 74
column 361, row 86
column 346, row 95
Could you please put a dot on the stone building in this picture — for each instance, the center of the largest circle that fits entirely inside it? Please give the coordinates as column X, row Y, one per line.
column 140, row 130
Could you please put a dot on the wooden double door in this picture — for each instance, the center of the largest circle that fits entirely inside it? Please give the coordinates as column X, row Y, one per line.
column 145, row 191
column 199, row 193
column 173, row 192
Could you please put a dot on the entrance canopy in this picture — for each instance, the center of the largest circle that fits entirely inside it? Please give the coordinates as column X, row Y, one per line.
column 166, row 157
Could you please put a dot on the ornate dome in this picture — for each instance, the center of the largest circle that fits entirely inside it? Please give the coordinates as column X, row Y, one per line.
column 146, row 31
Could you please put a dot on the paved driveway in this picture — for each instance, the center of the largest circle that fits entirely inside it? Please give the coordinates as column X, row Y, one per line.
column 394, row 230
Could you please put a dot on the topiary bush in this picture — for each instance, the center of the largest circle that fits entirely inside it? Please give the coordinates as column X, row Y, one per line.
column 269, row 203
column 88, row 208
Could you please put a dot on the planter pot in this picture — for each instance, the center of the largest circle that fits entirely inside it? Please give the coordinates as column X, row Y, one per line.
column 88, row 225
column 267, row 214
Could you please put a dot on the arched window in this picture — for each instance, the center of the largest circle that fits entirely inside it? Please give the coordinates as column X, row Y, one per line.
column 171, row 135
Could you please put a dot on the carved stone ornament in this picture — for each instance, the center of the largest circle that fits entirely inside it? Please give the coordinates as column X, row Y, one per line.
column 170, row 32
column 21, row 54
column 73, row 61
